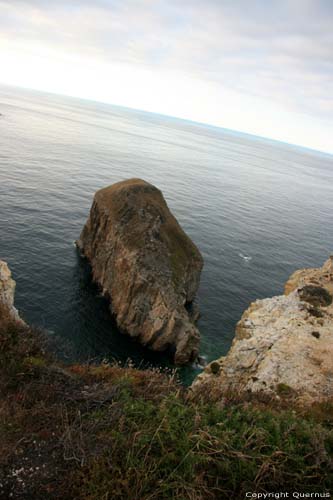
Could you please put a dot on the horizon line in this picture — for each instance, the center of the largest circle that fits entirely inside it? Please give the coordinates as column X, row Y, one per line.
column 205, row 124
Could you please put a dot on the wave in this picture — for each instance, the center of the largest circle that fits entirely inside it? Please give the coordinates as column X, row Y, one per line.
column 246, row 258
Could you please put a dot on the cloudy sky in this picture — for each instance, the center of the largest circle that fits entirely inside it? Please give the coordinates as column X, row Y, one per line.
column 259, row 66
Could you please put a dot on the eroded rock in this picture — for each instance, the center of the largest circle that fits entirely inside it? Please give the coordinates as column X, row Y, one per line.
column 8, row 312
column 321, row 276
column 282, row 341
column 146, row 264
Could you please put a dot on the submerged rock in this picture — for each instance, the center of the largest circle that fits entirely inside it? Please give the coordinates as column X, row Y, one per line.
column 145, row 264
column 8, row 312
column 285, row 341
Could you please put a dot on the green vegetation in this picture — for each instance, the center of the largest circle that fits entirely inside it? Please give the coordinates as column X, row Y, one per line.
column 215, row 367
column 284, row 389
column 181, row 250
column 106, row 432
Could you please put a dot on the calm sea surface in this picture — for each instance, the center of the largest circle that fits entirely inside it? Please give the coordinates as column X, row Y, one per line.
column 257, row 210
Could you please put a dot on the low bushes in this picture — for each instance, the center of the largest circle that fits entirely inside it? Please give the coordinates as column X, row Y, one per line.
column 106, row 432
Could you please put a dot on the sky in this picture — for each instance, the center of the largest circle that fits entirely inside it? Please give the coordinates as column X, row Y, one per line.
column 264, row 67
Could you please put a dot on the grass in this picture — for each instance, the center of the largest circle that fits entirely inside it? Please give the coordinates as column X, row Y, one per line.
column 106, row 432
column 177, row 450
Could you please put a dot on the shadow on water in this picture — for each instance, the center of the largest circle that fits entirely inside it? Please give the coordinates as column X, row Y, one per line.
column 95, row 336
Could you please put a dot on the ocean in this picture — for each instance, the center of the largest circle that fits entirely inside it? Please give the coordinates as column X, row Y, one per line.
column 257, row 209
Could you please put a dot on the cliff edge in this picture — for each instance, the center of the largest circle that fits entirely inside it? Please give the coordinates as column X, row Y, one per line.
column 145, row 264
column 282, row 344
column 8, row 313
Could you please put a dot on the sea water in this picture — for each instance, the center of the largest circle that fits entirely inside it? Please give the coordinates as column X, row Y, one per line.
column 257, row 209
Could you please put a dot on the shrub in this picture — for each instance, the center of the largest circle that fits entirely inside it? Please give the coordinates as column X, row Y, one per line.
column 107, row 432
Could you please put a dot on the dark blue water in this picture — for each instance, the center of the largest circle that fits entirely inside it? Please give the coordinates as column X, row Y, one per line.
column 235, row 195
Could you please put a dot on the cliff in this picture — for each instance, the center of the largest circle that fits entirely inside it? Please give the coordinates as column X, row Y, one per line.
column 283, row 343
column 145, row 264
column 8, row 313
column 102, row 431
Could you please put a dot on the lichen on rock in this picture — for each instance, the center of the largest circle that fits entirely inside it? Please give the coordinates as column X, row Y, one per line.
column 145, row 264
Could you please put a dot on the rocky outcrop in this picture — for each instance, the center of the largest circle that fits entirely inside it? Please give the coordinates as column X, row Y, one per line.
column 282, row 344
column 8, row 312
column 145, row 264
column 322, row 276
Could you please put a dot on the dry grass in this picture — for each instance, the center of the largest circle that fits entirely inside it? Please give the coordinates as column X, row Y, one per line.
column 106, row 432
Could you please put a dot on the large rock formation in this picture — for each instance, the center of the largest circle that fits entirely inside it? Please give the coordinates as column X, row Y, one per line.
column 8, row 312
column 282, row 344
column 145, row 264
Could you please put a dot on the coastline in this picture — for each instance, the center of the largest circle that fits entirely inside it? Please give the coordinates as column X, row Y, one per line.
column 80, row 431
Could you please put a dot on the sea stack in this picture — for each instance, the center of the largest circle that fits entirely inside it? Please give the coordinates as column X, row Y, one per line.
column 146, row 266
column 282, row 344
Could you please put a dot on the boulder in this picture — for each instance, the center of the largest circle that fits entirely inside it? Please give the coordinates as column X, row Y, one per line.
column 284, row 342
column 146, row 266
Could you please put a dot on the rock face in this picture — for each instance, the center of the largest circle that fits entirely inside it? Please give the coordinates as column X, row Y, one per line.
column 322, row 276
column 7, row 292
column 145, row 264
column 284, row 343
